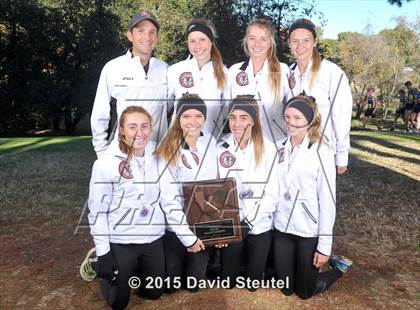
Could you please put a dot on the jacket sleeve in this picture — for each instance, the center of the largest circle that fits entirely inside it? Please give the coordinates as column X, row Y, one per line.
column 326, row 199
column 170, row 76
column 101, row 114
column 341, row 114
column 170, row 199
column 100, row 197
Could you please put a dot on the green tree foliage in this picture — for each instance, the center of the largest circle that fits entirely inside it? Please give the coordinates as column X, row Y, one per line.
column 330, row 49
column 51, row 56
column 398, row 2
column 52, row 51
column 379, row 60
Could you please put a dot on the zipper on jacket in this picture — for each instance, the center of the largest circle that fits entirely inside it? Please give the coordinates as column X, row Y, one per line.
column 309, row 213
column 121, row 219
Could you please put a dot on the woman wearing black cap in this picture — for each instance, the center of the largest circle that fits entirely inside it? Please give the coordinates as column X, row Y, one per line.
column 303, row 190
column 202, row 73
column 190, row 155
column 326, row 82
column 248, row 157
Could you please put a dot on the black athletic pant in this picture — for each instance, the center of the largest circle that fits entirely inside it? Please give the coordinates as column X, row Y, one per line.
column 181, row 264
column 254, row 248
column 141, row 260
column 293, row 256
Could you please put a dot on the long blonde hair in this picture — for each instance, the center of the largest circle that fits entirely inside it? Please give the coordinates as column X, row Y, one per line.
column 274, row 69
column 122, row 141
column 256, row 131
column 168, row 149
column 215, row 54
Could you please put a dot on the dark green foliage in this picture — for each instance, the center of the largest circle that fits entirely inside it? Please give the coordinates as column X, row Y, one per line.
column 52, row 51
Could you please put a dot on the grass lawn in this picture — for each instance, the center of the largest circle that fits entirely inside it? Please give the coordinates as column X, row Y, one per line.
column 44, row 186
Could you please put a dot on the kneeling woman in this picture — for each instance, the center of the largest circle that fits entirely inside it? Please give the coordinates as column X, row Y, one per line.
column 190, row 155
column 305, row 195
column 126, row 218
column 248, row 157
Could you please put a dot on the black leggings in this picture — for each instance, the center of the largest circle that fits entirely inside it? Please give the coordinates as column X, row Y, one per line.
column 141, row 260
column 181, row 264
column 254, row 248
column 293, row 256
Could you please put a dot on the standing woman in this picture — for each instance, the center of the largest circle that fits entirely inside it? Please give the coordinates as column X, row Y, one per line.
column 202, row 73
column 190, row 155
column 303, row 189
column 263, row 76
column 248, row 157
column 327, row 83
column 125, row 214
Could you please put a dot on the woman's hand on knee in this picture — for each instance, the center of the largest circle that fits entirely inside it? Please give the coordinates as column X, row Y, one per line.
column 320, row 259
column 220, row 245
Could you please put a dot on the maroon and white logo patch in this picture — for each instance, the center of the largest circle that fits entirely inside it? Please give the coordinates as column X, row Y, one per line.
column 185, row 162
column 280, row 153
column 291, row 79
column 186, row 80
column 242, row 78
column 227, row 159
column 125, row 170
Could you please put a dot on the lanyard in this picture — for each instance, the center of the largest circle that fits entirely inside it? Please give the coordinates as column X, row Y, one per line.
column 246, row 157
column 140, row 182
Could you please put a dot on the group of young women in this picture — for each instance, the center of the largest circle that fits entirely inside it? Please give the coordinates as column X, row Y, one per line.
column 288, row 137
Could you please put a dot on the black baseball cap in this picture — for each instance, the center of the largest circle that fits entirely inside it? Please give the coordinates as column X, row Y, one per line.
column 143, row 15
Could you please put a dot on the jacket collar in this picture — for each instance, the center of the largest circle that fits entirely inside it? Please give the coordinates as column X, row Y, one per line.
column 185, row 146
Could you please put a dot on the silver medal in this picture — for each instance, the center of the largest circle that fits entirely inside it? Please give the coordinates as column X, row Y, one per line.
column 246, row 194
column 144, row 211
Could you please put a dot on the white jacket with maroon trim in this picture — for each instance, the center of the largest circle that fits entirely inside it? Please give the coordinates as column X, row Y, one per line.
column 243, row 82
column 185, row 76
column 251, row 179
column 128, row 206
column 303, row 191
column 197, row 165
column 123, row 79
column 326, row 85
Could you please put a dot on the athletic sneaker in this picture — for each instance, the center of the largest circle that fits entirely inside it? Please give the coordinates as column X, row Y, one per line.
column 340, row 262
column 86, row 271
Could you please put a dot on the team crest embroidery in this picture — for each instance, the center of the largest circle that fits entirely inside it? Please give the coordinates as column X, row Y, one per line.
column 242, row 78
column 185, row 162
column 227, row 159
column 292, row 80
column 281, row 155
column 125, row 170
column 186, row 80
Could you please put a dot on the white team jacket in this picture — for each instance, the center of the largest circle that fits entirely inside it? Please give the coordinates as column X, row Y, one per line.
column 124, row 79
column 243, row 82
column 240, row 164
column 337, row 129
column 195, row 165
column 125, row 208
column 303, row 191
column 185, row 76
